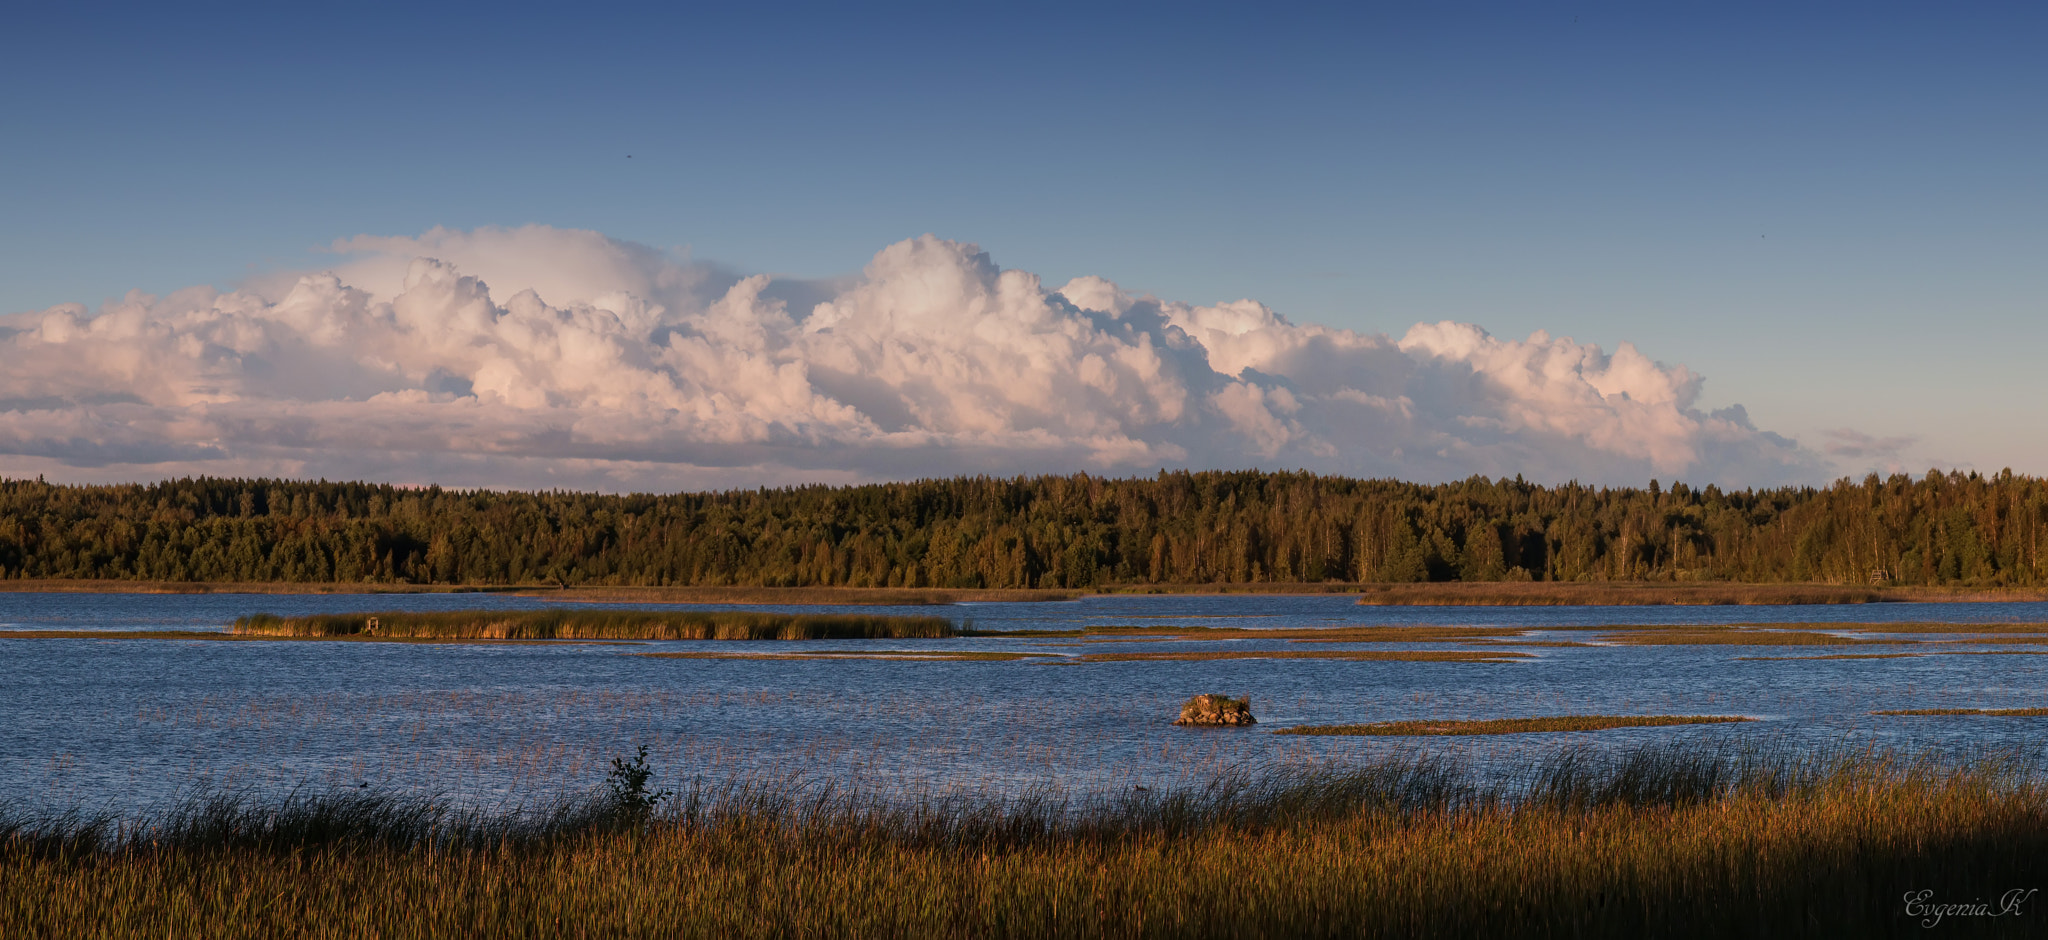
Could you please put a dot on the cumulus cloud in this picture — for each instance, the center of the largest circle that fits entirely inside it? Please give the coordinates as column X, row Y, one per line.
column 547, row 357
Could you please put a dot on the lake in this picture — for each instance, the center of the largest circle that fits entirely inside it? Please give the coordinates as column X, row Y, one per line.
column 129, row 723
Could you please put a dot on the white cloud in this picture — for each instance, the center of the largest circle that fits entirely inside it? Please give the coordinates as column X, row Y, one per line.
column 546, row 357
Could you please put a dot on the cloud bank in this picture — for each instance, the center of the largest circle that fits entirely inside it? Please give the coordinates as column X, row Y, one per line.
column 548, row 357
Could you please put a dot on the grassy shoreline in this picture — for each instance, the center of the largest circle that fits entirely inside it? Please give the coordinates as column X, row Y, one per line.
column 1450, row 593
column 558, row 624
column 1656, row 841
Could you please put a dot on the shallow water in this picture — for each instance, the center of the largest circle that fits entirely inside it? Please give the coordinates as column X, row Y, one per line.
column 127, row 724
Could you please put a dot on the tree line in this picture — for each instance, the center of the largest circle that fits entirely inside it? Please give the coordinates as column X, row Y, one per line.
column 1034, row 532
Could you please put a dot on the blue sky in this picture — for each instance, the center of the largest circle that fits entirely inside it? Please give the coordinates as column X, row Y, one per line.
column 1837, row 213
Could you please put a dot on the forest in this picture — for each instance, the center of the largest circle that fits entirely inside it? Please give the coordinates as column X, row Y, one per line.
column 1076, row 531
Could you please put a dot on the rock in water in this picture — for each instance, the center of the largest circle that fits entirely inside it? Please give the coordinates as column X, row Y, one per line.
column 1216, row 710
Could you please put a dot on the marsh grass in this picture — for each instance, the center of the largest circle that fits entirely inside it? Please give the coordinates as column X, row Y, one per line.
column 1739, row 637
column 1366, row 634
column 228, row 636
column 1924, row 627
column 1829, row 656
column 2002, row 712
column 898, row 656
column 891, row 597
column 1658, row 593
column 599, row 625
column 1378, row 656
column 1694, row 842
column 1626, row 593
column 1557, row 723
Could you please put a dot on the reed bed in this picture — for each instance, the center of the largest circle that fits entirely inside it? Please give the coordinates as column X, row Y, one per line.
column 891, row 597
column 989, row 656
column 1375, row 656
column 1739, row 637
column 1774, row 659
column 2006, row 712
column 1700, row 842
column 1556, row 723
column 1366, row 634
column 1923, row 627
column 1624, row 593
column 599, row 625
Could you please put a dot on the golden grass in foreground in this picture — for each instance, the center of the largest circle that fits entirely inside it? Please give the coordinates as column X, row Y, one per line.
column 2007, row 712
column 583, row 624
column 1641, row 848
column 1511, row 725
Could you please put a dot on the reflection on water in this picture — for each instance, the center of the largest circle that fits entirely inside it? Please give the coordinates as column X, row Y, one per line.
column 125, row 723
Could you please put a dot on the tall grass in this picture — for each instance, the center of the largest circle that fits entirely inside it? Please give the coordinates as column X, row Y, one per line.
column 600, row 625
column 1665, row 842
column 1575, row 593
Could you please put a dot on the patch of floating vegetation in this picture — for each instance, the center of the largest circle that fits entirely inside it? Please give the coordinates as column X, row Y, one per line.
column 1515, row 642
column 1987, row 628
column 892, row 597
column 599, row 625
column 1365, row 634
column 1737, row 637
column 1829, row 656
column 1555, row 594
column 221, row 635
column 1557, row 723
column 1995, row 712
column 895, row 655
column 1999, row 640
column 1404, row 656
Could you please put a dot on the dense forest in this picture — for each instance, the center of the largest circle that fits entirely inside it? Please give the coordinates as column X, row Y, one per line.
column 1075, row 531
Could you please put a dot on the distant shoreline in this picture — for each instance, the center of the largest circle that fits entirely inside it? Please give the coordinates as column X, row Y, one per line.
column 1450, row 594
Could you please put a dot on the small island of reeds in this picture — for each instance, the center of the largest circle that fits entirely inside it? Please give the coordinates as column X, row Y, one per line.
column 1556, row 723
column 1993, row 712
column 579, row 624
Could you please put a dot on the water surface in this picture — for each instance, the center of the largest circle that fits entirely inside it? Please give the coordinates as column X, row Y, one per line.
column 129, row 723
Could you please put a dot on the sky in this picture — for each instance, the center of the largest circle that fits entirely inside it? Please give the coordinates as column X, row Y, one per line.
column 1725, row 243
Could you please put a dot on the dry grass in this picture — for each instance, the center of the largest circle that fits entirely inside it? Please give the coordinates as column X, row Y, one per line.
column 890, row 597
column 600, row 625
column 1828, row 656
column 1377, row 656
column 110, row 586
column 1558, row 723
column 1923, row 627
column 1738, row 637
column 2007, row 712
column 1650, row 843
column 1237, row 587
column 938, row 656
column 1631, row 593
column 1367, row 634
column 272, row 638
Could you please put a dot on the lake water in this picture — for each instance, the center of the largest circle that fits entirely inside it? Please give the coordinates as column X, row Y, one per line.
column 127, row 724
